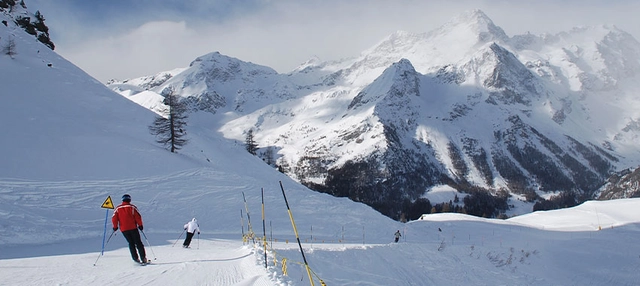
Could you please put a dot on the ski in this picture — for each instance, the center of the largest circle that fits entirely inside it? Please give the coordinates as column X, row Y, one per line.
column 143, row 263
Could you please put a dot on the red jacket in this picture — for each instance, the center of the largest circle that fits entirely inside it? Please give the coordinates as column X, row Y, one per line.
column 127, row 216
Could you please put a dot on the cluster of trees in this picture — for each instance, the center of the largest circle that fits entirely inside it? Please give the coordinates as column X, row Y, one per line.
column 478, row 203
column 562, row 200
column 483, row 204
column 268, row 154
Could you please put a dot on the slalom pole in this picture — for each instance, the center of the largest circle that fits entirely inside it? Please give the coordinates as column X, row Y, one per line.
column 103, row 245
column 149, row 244
column 178, row 238
column 264, row 231
column 295, row 230
column 104, row 233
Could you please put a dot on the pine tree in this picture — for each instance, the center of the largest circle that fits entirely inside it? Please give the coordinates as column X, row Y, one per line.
column 169, row 129
column 268, row 156
column 250, row 143
column 9, row 48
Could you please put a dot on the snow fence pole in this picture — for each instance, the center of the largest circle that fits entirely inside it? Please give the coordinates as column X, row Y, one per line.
column 249, row 228
column 264, row 231
column 295, row 230
column 149, row 244
column 242, row 226
column 179, row 237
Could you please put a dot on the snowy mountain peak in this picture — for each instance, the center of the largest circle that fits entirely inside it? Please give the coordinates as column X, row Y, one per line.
column 475, row 24
column 456, row 39
column 473, row 17
column 399, row 80
column 313, row 61
column 216, row 61
column 403, row 65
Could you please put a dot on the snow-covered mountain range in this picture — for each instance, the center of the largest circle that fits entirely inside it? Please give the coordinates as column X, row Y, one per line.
column 69, row 142
column 463, row 105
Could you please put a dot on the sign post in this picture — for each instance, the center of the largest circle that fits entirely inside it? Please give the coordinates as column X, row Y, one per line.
column 108, row 204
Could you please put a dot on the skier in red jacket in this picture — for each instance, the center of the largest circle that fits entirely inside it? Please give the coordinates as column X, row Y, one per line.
column 127, row 216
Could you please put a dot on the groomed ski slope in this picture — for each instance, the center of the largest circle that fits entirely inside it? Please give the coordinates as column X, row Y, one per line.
column 216, row 262
column 53, row 236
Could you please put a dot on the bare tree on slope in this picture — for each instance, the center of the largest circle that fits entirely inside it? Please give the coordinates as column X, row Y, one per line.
column 169, row 129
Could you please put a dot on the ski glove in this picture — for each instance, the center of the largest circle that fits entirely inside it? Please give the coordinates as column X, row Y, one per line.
column 115, row 228
column 198, row 232
column 140, row 227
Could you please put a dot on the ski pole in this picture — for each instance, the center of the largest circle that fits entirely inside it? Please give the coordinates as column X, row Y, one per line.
column 179, row 237
column 102, row 253
column 149, row 244
column 114, row 232
column 198, row 240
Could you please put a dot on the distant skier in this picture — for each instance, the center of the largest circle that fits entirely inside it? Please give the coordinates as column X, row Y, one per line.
column 398, row 235
column 191, row 228
column 129, row 219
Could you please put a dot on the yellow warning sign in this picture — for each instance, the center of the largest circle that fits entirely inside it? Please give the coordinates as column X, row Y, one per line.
column 108, row 204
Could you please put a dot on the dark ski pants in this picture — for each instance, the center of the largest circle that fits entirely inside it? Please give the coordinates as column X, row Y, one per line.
column 133, row 238
column 187, row 239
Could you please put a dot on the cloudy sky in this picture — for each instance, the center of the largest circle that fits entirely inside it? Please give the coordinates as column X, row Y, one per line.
column 129, row 38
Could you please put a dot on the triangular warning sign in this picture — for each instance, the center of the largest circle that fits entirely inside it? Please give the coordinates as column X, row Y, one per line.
column 108, row 204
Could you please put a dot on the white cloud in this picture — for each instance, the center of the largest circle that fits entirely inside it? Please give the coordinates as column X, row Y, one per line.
column 145, row 50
